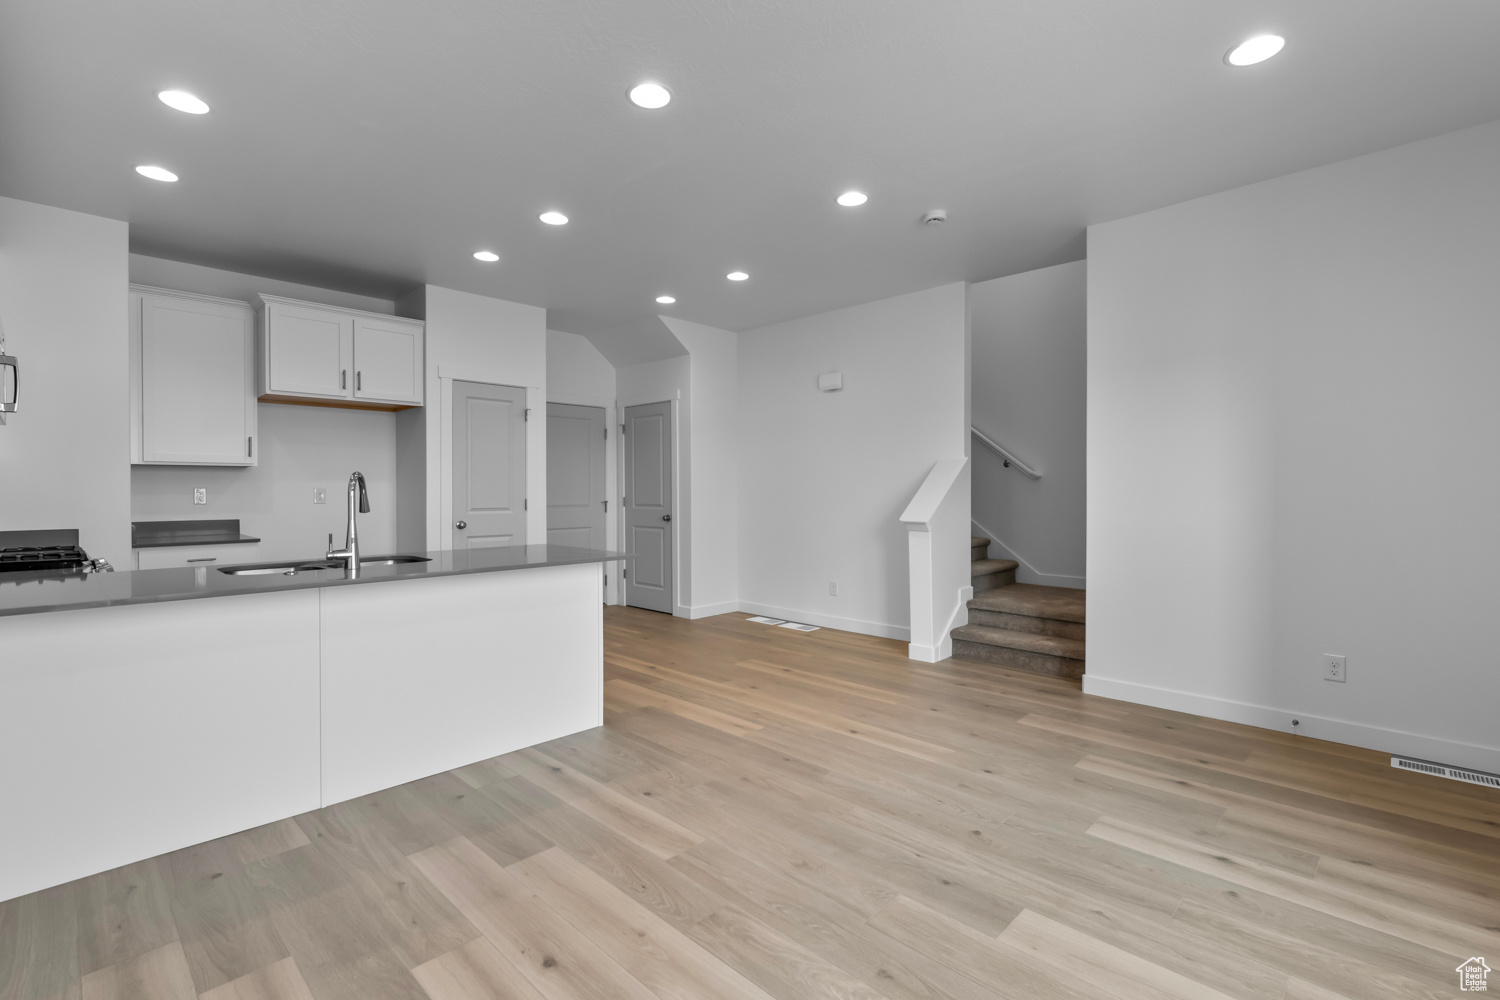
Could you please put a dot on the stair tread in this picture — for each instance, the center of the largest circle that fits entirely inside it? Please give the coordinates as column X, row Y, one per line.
column 977, row 540
column 1062, row 603
column 1052, row 645
column 979, row 567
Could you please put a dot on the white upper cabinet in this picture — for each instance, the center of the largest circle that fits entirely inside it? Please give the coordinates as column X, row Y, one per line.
column 192, row 386
column 388, row 360
column 344, row 357
column 308, row 350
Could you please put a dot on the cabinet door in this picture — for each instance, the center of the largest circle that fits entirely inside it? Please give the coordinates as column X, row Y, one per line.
column 309, row 351
column 195, row 555
column 197, row 381
column 387, row 360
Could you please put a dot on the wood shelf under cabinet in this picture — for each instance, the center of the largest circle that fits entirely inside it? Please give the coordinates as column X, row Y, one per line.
column 338, row 404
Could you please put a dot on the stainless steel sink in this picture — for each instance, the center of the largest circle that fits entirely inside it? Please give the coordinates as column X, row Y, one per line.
column 293, row 568
column 270, row 569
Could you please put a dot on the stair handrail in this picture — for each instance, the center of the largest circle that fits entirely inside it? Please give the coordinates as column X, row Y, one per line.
column 1010, row 460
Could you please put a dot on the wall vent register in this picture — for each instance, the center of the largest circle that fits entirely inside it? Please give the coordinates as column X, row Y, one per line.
column 1447, row 771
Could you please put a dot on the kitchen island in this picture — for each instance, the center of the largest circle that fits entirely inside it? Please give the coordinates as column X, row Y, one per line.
column 141, row 712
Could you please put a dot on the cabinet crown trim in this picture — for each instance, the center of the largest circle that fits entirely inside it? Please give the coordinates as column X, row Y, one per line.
column 263, row 299
column 175, row 293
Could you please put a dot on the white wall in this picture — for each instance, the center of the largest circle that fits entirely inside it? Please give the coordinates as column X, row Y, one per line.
column 301, row 447
column 825, row 476
column 575, row 368
column 65, row 455
column 1030, row 383
column 1292, row 427
column 714, row 460
column 474, row 338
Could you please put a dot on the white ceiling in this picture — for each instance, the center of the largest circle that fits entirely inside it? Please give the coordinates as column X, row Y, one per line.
column 373, row 145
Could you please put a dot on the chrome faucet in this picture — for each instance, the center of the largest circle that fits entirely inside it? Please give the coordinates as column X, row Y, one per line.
column 350, row 552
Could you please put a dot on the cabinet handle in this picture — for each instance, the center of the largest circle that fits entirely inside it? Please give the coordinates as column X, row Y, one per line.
column 249, row 447
column 343, row 376
column 359, row 381
column 205, row 559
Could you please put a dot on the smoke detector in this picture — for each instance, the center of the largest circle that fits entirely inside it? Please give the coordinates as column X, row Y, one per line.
column 936, row 217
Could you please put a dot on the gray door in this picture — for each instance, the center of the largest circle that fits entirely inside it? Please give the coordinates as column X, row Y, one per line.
column 489, row 465
column 648, row 506
column 575, row 475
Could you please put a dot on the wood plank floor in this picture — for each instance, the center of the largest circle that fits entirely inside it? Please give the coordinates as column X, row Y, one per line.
column 770, row 814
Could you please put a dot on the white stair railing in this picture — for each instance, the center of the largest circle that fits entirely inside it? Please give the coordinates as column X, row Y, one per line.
column 1010, row 460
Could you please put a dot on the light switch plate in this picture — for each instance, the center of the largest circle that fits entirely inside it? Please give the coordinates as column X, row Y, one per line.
column 200, row 494
column 320, row 494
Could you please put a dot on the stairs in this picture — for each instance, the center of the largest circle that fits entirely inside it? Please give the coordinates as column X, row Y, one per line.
column 1020, row 625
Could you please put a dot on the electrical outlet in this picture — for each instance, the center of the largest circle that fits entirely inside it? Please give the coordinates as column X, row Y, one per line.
column 320, row 494
column 1335, row 668
column 200, row 494
column 833, row 588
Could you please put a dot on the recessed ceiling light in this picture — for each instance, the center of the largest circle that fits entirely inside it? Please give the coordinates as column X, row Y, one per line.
column 650, row 95
column 1255, row 50
column 183, row 101
column 665, row 300
column 488, row 256
column 554, row 218
column 156, row 173
column 736, row 275
column 853, row 199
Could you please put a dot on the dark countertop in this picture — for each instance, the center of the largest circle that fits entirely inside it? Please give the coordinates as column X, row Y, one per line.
column 160, row 534
column 34, row 593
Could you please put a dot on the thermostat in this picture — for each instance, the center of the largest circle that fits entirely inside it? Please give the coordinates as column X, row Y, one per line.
column 831, row 381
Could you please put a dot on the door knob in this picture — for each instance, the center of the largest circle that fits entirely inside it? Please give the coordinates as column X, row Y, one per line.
column 461, row 525
column 666, row 517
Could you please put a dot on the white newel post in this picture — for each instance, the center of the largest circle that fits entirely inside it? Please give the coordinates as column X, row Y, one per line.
column 937, row 536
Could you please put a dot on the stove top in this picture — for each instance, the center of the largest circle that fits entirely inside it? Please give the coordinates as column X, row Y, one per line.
column 52, row 552
column 21, row 558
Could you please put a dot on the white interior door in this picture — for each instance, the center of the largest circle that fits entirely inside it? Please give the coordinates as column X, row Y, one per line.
column 576, row 499
column 648, row 506
column 489, row 465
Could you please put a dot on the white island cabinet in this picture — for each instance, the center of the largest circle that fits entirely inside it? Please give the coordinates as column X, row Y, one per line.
column 323, row 355
column 159, row 721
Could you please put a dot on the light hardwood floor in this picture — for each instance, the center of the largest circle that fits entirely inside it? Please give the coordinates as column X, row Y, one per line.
column 769, row 814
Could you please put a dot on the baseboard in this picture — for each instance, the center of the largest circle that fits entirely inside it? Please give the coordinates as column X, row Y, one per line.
column 881, row 629
column 1028, row 573
column 930, row 654
column 709, row 610
column 1394, row 741
column 944, row 648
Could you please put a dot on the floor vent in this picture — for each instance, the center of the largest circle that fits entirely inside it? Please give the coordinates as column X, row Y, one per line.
column 1445, row 771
